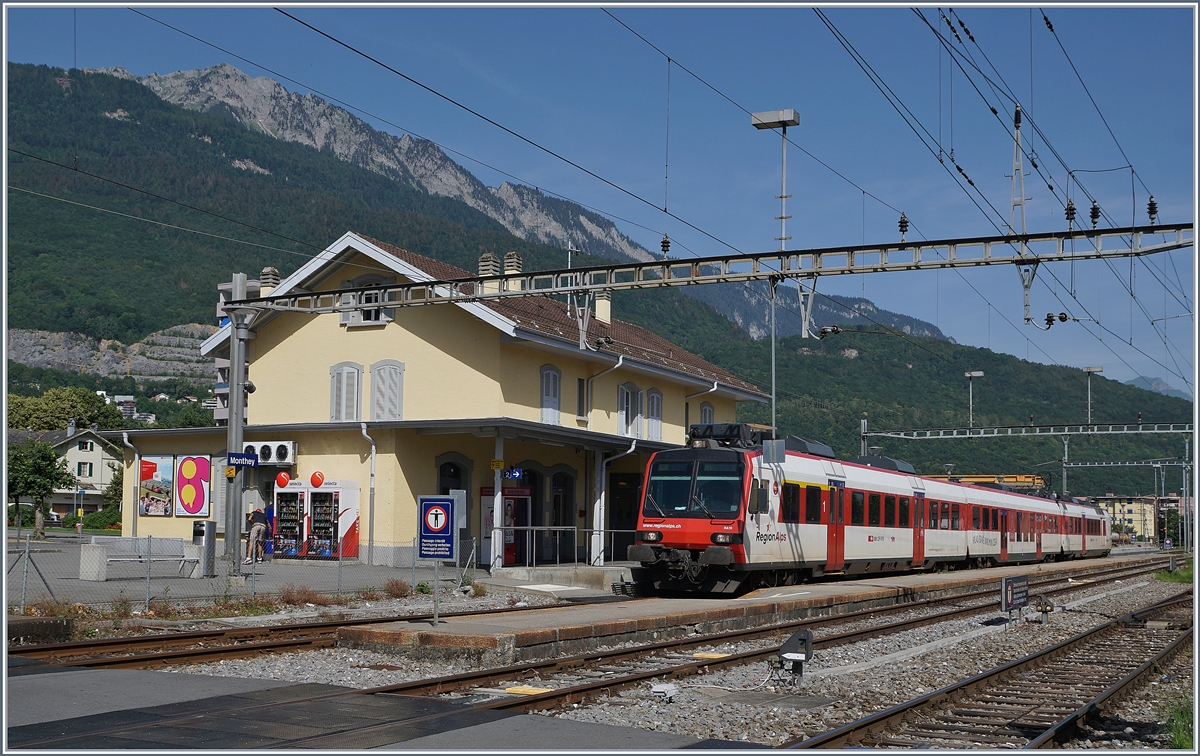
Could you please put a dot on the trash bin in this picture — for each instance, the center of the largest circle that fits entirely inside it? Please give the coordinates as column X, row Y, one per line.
column 204, row 534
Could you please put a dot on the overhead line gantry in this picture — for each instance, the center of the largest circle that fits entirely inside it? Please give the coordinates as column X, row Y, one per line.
column 1013, row 249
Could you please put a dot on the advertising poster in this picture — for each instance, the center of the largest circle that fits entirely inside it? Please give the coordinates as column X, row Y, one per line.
column 193, row 478
column 156, row 488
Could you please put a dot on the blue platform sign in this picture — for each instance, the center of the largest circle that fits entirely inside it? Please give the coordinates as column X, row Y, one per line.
column 435, row 529
column 243, row 460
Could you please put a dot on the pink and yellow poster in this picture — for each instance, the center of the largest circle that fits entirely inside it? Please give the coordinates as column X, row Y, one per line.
column 193, row 476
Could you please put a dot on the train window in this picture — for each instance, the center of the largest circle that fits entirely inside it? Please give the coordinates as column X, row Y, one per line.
column 903, row 519
column 669, row 485
column 1020, row 526
column 873, row 509
column 954, row 521
column 975, row 518
column 841, row 512
column 718, row 491
column 933, row 515
column 791, row 503
column 945, row 518
column 856, row 508
column 919, row 512
column 889, row 511
column 995, row 519
column 812, row 504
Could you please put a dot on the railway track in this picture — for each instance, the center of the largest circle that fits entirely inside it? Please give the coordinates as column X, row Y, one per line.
column 577, row 678
column 151, row 651
column 564, row 681
column 1033, row 702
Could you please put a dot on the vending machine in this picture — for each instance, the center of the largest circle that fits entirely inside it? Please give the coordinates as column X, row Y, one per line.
column 316, row 522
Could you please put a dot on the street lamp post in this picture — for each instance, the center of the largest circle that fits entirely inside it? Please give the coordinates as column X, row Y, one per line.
column 971, row 376
column 1089, row 371
column 777, row 119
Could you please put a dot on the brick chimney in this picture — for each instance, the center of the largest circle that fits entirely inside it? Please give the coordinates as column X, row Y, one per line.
column 604, row 306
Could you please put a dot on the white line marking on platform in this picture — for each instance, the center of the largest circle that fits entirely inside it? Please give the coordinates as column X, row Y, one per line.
column 552, row 587
column 780, row 594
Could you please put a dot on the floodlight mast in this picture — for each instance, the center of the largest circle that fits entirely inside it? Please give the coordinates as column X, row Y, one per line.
column 778, row 119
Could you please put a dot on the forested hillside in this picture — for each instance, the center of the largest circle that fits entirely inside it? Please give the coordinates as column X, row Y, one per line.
column 74, row 268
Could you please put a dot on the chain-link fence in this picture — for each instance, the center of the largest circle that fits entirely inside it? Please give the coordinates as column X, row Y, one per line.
column 170, row 575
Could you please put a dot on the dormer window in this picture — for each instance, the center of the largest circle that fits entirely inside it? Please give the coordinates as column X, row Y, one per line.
column 366, row 317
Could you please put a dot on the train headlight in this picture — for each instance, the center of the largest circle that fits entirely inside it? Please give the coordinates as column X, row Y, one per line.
column 649, row 536
column 726, row 538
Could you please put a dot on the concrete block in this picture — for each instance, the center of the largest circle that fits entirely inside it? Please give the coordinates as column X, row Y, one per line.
column 93, row 562
column 193, row 570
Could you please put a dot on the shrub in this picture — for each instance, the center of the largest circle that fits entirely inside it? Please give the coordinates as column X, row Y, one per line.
column 121, row 607
column 423, row 587
column 396, row 588
column 103, row 519
column 370, row 594
column 299, row 595
column 479, row 590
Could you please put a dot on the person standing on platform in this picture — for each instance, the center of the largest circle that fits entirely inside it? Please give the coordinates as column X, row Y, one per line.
column 258, row 532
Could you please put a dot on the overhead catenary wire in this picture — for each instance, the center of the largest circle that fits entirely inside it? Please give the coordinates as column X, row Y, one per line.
column 1178, row 372
column 381, row 119
column 511, row 132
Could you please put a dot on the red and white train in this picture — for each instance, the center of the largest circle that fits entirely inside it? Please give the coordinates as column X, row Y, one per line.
column 716, row 518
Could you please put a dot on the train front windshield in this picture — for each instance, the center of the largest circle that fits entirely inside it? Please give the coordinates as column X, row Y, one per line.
column 704, row 487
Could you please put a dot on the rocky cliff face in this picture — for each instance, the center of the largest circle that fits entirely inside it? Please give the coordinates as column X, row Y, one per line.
column 263, row 104
column 170, row 353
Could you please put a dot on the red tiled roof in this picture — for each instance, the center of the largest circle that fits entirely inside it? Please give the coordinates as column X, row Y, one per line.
column 551, row 317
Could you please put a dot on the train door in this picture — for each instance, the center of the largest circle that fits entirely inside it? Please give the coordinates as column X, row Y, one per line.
column 918, row 523
column 836, row 550
column 1038, row 525
column 1004, row 535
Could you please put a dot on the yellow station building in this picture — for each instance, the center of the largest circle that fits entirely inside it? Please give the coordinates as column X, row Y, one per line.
column 431, row 395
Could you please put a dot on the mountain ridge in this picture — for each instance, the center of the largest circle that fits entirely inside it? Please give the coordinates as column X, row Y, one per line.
column 265, row 105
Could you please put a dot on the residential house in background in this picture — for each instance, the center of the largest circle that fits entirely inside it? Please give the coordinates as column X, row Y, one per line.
column 91, row 457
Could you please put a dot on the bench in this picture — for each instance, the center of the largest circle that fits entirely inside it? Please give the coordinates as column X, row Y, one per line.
column 94, row 557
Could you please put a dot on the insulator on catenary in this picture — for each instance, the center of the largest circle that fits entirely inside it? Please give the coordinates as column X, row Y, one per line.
column 666, row 246
column 1070, row 211
column 1095, row 213
column 903, row 224
column 1152, row 210
column 1017, row 117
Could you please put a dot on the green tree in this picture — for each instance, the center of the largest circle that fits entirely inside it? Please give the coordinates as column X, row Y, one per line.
column 53, row 409
column 34, row 471
column 114, row 491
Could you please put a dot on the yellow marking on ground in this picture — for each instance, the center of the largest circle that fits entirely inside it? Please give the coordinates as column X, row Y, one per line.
column 708, row 655
column 528, row 690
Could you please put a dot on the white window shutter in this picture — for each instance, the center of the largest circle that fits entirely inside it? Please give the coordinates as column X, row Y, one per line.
column 641, row 399
column 388, row 314
column 336, row 382
column 350, row 393
column 347, row 316
column 379, row 376
column 395, row 394
column 621, row 399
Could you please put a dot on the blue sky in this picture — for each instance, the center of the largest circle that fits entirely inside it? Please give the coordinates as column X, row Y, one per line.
column 578, row 83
